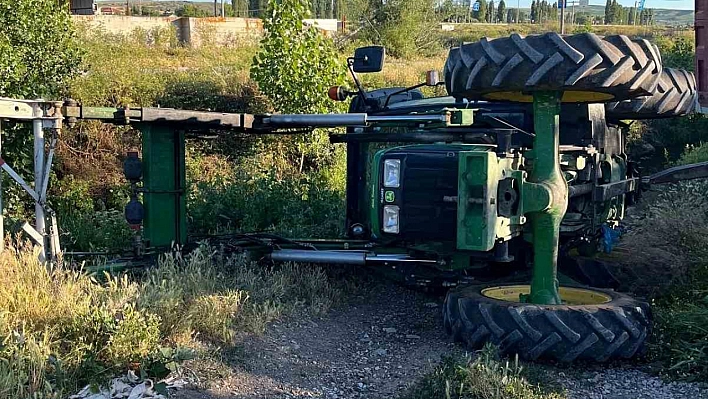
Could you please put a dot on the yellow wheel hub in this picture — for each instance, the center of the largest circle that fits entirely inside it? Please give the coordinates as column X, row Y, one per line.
column 569, row 295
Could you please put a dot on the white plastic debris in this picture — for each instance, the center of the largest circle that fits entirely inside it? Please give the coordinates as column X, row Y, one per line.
column 128, row 387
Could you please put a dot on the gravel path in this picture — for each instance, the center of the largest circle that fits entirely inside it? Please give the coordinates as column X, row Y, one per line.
column 620, row 383
column 379, row 344
column 385, row 339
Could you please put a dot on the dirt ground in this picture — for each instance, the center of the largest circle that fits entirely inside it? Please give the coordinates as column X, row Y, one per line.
column 384, row 339
column 378, row 344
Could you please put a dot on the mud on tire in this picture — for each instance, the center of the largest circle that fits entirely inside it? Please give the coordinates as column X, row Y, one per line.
column 614, row 330
column 675, row 95
column 589, row 68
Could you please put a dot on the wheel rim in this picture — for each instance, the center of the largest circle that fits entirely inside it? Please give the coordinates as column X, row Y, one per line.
column 569, row 295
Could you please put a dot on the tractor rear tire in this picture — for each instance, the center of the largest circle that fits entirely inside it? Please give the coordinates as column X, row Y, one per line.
column 617, row 328
column 675, row 95
column 587, row 67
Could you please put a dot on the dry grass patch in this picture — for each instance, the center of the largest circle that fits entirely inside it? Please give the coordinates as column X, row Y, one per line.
column 61, row 329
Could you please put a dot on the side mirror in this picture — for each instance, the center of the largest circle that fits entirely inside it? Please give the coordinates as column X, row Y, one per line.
column 369, row 59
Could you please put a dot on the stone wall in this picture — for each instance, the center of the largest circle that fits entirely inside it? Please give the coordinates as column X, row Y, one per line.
column 192, row 31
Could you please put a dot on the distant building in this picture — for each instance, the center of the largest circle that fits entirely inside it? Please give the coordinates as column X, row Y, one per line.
column 83, row 7
column 584, row 3
column 111, row 11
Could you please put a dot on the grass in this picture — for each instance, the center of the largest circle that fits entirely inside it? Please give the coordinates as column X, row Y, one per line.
column 485, row 376
column 61, row 329
column 665, row 258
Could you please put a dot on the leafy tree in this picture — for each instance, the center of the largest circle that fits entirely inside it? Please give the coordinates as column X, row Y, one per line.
column 294, row 67
column 647, row 16
column 295, row 64
column 190, row 10
column 608, row 12
column 490, row 11
column 481, row 14
column 239, row 8
column 583, row 18
column 257, row 8
column 534, row 11
column 38, row 48
column 501, row 11
column 39, row 54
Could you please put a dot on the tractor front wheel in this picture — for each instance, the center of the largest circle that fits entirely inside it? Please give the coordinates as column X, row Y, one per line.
column 592, row 324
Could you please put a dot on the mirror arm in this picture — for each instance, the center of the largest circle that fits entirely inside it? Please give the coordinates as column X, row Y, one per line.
column 362, row 93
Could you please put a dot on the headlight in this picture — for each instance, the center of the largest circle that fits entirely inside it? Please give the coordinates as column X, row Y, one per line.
column 392, row 173
column 390, row 219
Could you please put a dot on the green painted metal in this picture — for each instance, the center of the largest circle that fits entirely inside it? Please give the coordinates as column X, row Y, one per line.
column 165, row 185
column 103, row 113
column 375, row 188
column 476, row 204
column 546, row 184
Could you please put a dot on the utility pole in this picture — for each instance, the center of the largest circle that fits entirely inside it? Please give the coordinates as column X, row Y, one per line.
column 518, row 10
column 562, row 5
column 572, row 15
column 635, row 13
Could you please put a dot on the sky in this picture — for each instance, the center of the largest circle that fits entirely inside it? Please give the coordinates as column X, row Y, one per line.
column 673, row 4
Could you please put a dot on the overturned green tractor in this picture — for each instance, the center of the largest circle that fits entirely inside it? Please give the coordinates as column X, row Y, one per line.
column 481, row 191
column 530, row 166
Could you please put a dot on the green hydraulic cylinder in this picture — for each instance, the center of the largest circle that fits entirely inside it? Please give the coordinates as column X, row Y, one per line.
column 164, row 185
column 547, row 176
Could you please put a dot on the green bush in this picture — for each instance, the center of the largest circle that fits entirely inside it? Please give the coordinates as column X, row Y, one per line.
column 694, row 154
column 265, row 192
column 677, row 52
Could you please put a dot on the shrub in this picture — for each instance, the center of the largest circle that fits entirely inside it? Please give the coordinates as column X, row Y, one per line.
column 677, row 52
column 694, row 154
column 405, row 27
